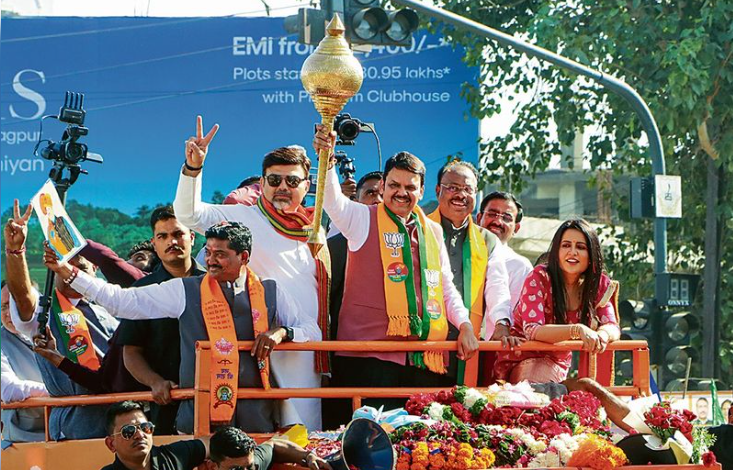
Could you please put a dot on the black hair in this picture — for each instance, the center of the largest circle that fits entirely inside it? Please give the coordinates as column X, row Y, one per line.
column 2, row 283
column 145, row 245
column 374, row 175
column 161, row 213
column 230, row 442
column 542, row 259
column 120, row 409
column 249, row 181
column 405, row 161
column 238, row 235
column 293, row 155
column 591, row 276
column 505, row 196
column 453, row 163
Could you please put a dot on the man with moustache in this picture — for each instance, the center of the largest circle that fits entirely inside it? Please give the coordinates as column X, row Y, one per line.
column 476, row 258
column 151, row 348
column 227, row 304
column 279, row 226
column 501, row 213
column 130, row 438
column 399, row 285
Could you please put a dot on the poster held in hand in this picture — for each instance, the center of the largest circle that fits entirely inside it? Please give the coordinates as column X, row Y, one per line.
column 58, row 229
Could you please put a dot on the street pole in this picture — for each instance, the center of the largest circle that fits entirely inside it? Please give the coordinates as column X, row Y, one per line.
column 615, row 85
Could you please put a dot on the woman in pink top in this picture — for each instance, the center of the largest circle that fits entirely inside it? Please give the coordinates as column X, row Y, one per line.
column 569, row 298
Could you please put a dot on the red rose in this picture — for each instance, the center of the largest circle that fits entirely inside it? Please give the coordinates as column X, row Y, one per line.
column 708, row 459
column 554, row 428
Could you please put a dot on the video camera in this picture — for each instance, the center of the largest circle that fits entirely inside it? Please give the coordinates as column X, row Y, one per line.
column 348, row 129
column 69, row 151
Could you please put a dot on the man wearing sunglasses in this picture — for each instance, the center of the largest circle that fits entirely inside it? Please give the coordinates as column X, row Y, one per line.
column 232, row 449
column 130, row 438
column 279, row 225
column 476, row 256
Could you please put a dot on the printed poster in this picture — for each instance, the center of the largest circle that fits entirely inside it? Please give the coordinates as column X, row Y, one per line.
column 60, row 232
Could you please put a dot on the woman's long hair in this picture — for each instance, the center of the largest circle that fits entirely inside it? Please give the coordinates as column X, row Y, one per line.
column 591, row 277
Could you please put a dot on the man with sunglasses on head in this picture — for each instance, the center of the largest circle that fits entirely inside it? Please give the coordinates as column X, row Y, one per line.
column 130, row 438
column 476, row 257
column 232, row 449
column 279, row 234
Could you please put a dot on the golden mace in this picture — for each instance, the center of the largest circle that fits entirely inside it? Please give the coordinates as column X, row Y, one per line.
column 331, row 75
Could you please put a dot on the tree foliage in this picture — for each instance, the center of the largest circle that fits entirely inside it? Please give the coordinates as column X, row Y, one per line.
column 677, row 54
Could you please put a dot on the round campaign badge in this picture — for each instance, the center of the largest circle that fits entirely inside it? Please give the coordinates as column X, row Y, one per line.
column 433, row 309
column 78, row 345
column 397, row 272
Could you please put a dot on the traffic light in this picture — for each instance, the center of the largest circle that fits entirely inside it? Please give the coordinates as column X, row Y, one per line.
column 636, row 324
column 366, row 22
column 679, row 329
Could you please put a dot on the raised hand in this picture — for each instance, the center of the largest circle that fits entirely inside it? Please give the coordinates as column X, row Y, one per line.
column 197, row 147
column 16, row 229
column 324, row 140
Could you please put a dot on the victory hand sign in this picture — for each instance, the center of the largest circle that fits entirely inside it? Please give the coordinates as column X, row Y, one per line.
column 197, row 147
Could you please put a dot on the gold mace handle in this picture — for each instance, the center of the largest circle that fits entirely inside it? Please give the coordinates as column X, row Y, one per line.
column 317, row 238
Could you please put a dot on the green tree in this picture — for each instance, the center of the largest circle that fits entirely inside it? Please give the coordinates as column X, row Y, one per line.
column 678, row 56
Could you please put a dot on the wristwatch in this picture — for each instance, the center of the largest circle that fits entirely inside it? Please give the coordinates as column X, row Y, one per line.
column 504, row 322
column 289, row 333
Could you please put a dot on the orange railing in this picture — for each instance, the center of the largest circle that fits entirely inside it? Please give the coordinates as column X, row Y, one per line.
column 201, row 391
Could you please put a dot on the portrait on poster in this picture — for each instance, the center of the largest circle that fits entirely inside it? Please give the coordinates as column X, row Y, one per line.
column 58, row 229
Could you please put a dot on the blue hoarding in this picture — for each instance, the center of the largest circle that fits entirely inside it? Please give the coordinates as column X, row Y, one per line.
column 146, row 79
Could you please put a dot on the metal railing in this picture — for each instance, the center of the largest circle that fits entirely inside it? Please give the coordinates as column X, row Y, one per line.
column 201, row 391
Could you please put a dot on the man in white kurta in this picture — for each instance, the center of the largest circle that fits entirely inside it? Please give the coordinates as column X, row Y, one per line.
column 274, row 256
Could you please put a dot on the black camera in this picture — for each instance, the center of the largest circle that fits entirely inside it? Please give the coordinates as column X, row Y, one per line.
column 348, row 129
column 69, row 151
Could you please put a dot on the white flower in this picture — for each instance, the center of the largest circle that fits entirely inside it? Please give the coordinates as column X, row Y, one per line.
column 435, row 411
column 545, row 460
column 472, row 396
column 602, row 414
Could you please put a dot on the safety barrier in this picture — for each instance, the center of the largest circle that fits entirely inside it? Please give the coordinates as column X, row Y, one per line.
column 201, row 391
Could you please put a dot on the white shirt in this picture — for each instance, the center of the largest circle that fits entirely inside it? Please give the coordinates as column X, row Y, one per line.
column 168, row 300
column 13, row 388
column 353, row 220
column 518, row 268
column 288, row 262
column 29, row 328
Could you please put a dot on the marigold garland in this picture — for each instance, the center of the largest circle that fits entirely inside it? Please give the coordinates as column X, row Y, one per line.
column 597, row 453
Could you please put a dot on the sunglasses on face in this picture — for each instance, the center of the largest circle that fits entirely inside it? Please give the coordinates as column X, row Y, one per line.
column 129, row 430
column 293, row 181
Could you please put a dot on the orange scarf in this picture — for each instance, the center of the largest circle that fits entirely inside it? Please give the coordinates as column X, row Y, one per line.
column 224, row 354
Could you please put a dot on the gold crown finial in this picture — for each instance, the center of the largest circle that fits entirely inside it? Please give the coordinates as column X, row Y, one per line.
column 335, row 26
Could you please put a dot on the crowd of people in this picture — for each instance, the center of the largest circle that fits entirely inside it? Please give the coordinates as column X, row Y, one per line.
column 389, row 272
